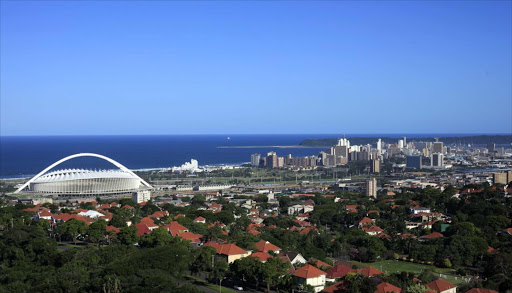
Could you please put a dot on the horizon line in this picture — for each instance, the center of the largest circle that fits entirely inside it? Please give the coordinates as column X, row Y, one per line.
column 227, row 134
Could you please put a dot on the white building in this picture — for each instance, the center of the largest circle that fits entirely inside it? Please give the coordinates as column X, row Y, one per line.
column 310, row 275
column 141, row 196
column 255, row 160
column 192, row 166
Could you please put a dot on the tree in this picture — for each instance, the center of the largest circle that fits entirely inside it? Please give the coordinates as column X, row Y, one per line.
column 247, row 269
column 360, row 284
column 273, row 270
column 72, row 229
column 159, row 237
column 97, row 231
column 118, row 221
column 203, row 257
column 225, row 217
column 220, row 269
column 128, row 235
column 417, row 288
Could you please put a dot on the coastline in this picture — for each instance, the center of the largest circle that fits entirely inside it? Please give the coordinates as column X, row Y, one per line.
column 269, row 146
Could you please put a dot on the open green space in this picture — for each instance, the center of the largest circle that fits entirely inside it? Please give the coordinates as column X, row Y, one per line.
column 201, row 282
column 394, row 266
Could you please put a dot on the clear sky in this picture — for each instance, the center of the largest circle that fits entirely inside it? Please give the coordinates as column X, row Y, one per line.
column 170, row 67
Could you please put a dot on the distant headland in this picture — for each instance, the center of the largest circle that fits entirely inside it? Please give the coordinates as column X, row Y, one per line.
column 470, row 139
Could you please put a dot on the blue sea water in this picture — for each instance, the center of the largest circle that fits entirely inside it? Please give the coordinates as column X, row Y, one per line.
column 27, row 155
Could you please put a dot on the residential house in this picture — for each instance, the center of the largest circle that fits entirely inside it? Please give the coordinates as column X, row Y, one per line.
column 200, row 220
column 442, row 286
column 261, row 256
column 310, row 275
column 338, row 271
column 385, row 287
column 230, row 251
column 373, row 230
column 266, row 246
column 295, row 258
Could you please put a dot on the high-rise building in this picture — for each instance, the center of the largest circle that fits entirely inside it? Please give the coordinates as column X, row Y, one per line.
column 375, row 166
column 491, row 147
column 436, row 160
column 371, row 188
column 272, row 160
column 500, row 178
column 141, row 196
column 340, row 151
column 414, row 162
column 343, row 142
column 401, row 144
column 379, row 146
column 280, row 162
column 437, row 147
column 255, row 160
column 405, row 141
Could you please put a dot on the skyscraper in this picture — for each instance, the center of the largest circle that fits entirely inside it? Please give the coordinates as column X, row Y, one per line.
column 414, row 162
column 437, row 160
column 371, row 188
column 491, row 147
column 272, row 160
column 375, row 166
column 437, row 147
column 255, row 160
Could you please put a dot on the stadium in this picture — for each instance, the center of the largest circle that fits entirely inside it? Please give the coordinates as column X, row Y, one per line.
column 84, row 182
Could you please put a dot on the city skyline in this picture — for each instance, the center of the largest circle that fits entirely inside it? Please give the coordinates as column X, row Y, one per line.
column 255, row 67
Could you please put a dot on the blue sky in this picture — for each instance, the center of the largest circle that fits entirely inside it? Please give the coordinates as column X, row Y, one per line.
column 170, row 67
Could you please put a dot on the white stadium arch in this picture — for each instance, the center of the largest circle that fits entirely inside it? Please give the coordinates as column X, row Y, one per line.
column 82, row 175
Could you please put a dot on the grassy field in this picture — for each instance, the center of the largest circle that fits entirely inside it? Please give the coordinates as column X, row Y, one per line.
column 393, row 266
column 200, row 282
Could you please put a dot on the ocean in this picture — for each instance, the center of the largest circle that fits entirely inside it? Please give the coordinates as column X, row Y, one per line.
column 23, row 156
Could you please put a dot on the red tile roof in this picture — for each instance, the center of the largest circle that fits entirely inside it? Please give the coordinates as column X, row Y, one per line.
column 262, row 256
column 366, row 221
column 175, row 228
column 66, row 217
column 142, row 229
column 148, row 222
column 370, row 271
column 339, row 271
column 265, row 246
column 45, row 214
column 308, row 271
column 192, row 237
column 432, row 235
column 226, row 249
column 336, row 287
column 440, row 285
column 199, row 219
column 159, row 214
column 34, row 209
column 373, row 229
column 320, row 264
column 112, row 228
column 387, row 288
column 307, row 230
